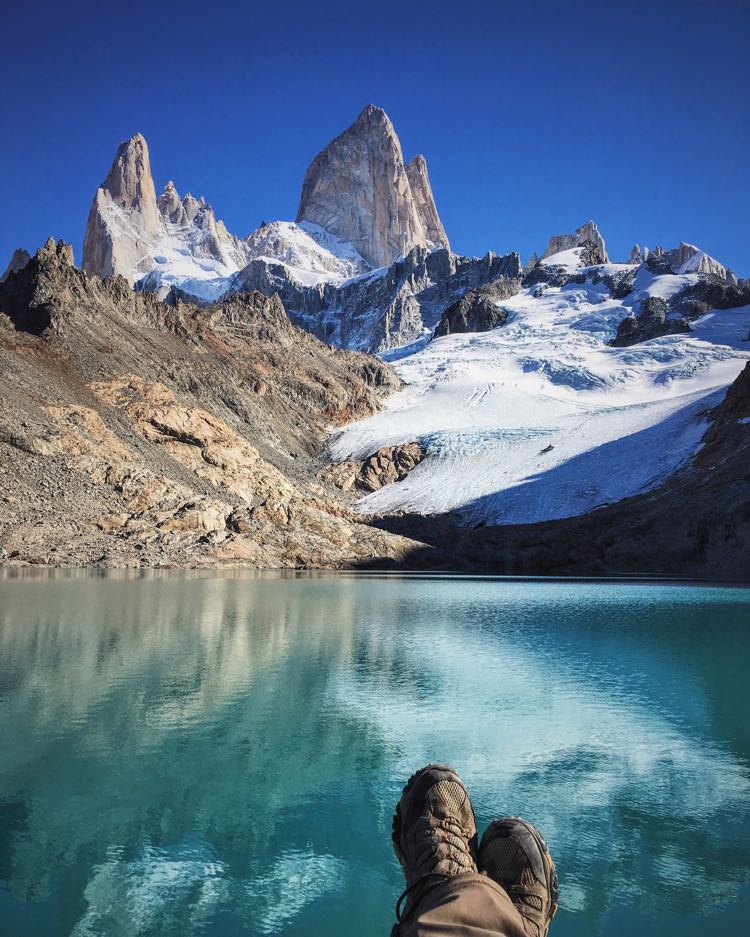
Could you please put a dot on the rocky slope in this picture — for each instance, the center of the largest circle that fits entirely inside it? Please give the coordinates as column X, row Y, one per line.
column 136, row 433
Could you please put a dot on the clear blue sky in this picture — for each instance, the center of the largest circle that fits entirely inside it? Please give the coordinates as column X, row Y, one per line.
column 532, row 117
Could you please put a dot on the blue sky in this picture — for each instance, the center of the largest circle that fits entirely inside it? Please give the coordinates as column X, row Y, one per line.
column 532, row 118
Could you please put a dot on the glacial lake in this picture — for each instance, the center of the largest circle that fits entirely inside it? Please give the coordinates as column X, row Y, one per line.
column 220, row 754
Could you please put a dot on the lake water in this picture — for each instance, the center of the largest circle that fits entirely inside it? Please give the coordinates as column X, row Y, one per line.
column 220, row 755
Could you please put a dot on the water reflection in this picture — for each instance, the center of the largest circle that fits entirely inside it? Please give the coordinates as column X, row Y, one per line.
column 221, row 755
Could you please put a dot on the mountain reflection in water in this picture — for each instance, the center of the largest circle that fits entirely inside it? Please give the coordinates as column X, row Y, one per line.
column 218, row 755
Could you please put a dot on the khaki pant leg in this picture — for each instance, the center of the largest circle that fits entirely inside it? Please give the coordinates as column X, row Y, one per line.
column 467, row 905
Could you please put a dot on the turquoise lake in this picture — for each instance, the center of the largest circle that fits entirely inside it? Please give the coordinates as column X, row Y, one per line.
column 204, row 754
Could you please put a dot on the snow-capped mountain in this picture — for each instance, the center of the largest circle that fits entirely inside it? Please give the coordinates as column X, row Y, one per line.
column 554, row 413
column 552, row 389
column 170, row 239
column 361, row 208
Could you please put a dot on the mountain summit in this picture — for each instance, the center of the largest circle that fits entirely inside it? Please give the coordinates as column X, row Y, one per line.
column 361, row 207
column 129, row 231
column 359, row 189
column 124, row 220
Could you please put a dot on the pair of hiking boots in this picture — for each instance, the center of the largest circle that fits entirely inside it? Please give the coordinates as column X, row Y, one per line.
column 435, row 838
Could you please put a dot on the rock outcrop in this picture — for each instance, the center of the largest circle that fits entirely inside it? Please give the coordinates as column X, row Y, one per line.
column 652, row 321
column 478, row 310
column 387, row 466
column 18, row 261
column 587, row 232
column 359, row 189
column 710, row 292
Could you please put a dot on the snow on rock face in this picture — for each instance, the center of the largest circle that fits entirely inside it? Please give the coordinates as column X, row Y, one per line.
column 542, row 418
column 687, row 258
column 587, row 232
column 569, row 259
column 311, row 253
column 132, row 234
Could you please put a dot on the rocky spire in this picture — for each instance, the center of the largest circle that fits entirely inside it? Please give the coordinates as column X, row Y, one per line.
column 635, row 255
column 531, row 262
column 587, row 232
column 359, row 189
column 421, row 190
column 170, row 205
column 17, row 262
column 109, row 247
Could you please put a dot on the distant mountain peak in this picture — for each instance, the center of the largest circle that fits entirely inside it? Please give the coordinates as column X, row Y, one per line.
column 124, row 219
column 588, row 231
column 359, row 189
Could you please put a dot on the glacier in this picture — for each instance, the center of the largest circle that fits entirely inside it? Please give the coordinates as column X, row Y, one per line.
column 542, row 418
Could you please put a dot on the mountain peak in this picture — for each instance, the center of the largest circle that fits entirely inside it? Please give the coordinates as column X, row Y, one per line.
column 372, row 112
column 18, row 261
column 588, row 231
column 359, row 189
column 127, row 187
column 129, row 179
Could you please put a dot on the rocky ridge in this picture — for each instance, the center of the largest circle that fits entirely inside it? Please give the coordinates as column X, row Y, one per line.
column 133, row 433
column 384, row 310
column 588, row 232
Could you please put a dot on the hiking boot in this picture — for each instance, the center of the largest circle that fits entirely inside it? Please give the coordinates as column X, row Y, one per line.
column 434, row 832
column 514, row 854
